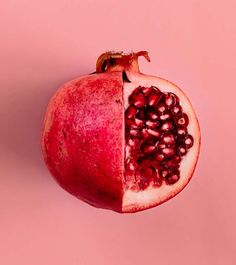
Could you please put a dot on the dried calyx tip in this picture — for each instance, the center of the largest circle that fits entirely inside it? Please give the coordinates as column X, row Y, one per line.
column 109, row 59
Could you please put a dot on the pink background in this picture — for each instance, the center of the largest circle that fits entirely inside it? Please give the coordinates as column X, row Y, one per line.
column 45, row 43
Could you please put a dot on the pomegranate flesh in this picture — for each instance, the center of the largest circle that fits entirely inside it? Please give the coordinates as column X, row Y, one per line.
column 121, row 140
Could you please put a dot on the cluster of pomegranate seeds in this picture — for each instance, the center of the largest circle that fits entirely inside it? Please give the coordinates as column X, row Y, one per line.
column 156, row 137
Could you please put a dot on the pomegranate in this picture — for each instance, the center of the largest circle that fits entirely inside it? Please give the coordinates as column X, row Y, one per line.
column 121, row 140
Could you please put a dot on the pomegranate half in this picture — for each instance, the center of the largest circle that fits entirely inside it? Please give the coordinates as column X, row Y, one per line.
column 121, row 140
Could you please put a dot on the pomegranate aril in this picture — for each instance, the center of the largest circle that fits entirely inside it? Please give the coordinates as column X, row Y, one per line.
column 168, row 152
column 148, row 172
column 163, row 172
column 161, row 108
column 173, row 162
column 131, row 165
column 157, row 182
column 165, row 116
column 170, row 99
column 188, row 141
column 147, row 90
column 155, row 163
column 176, row 159
column 131, row 112
column 177, row 109
column 130, row 123
column 168, row 138
column 133, row 142
column 167, row 126
column 172, row 179
column 134, row 133
column 160, row 145
column 145, row 134
column 153, row 99
column 182, row 150
column 159, row 157
column 148, row 149
column 131, row 151
column 138, row 122
column 138, row 100
column 170, row 164
column 153, row 116
column 181, row 131
column 144, row 162
column 182, row 120
column 154, row 132
column 152, row 124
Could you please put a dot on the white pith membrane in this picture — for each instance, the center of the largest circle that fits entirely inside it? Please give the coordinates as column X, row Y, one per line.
column 138, row 199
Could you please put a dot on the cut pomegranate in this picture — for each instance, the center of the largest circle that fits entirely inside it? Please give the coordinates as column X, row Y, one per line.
column 119, row 139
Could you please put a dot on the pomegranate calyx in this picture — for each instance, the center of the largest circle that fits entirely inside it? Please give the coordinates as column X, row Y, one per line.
column 118, row 61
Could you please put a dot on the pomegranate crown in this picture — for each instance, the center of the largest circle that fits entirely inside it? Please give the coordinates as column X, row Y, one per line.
column 119, row 61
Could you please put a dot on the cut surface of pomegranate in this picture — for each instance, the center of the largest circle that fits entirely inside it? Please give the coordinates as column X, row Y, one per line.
column 121, row 140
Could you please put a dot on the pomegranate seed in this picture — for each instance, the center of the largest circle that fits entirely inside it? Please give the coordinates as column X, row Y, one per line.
column 155, row 163
column 131, row 165
column 172, row 179
column 147, row 172
column 147, row 90
column 154, row 132
column 170, row 99
column 181, row 131
column 133, row 142
column 153, row 99
column 131, row 151
column 188, row 141
column 165, row 117
column 173, row 162
column 161, row 108
column 159, row 157
column 145, row 133
column 152, row 124
column 153, row 116
column 131, row 112
column 168, row 138
column 134, row 133
column 144, row 162
column 182, row 150
column 138, row 122
column 157, row 182
column 148, row 149
column 130, row 123
column 163, row 173
column 182, row 120
column 138, row 100
column 168, row 152
column 177, row 109
column 176, row 158
column 167, row 126
column 160, row 145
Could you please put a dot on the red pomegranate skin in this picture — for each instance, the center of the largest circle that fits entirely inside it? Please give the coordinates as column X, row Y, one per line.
column 83, row 139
